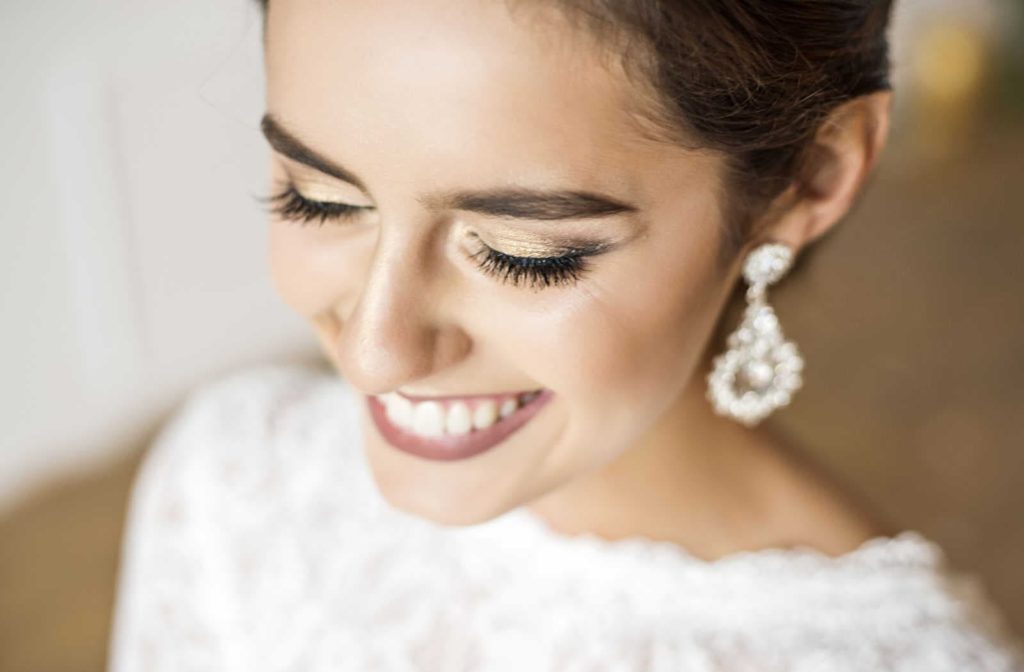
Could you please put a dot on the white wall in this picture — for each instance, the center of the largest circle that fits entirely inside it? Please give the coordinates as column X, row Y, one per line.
column 132, row 250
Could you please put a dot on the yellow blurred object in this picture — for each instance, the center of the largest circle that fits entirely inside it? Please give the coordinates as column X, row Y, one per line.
column 950, row 62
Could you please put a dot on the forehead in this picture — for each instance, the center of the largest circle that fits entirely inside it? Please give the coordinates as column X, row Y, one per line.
column 459, row 81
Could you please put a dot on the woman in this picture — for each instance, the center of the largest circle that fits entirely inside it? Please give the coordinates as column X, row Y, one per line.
column 514, row 227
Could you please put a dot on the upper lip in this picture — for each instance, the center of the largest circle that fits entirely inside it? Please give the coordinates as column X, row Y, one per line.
column 447, row 397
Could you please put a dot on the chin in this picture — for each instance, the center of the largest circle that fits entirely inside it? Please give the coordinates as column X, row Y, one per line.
column 427, row 494
column 445, row 508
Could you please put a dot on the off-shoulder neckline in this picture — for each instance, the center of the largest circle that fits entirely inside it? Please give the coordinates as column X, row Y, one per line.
column 901, row 543
column 907, row 548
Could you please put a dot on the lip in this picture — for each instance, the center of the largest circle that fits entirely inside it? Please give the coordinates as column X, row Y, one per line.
column 454, row 447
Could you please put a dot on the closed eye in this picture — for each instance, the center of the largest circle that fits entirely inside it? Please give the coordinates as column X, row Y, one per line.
column 536, row 272
column 289, row 204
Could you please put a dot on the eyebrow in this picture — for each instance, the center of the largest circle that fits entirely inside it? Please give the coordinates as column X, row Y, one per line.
column 506, row 202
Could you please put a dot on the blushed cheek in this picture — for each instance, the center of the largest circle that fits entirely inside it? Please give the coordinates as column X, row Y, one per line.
column 619, row 367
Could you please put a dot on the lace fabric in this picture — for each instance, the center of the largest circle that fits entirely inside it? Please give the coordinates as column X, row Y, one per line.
column 257, row 541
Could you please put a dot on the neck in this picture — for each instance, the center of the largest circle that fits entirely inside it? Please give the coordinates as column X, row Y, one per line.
column 709, row 484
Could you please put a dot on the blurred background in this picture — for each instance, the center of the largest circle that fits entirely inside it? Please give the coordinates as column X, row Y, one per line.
column 132, row 250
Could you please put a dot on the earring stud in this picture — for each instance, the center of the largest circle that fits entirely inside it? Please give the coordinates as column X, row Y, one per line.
column 760, row 370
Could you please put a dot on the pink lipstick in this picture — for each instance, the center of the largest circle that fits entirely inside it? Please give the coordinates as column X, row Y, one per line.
column 467, row 442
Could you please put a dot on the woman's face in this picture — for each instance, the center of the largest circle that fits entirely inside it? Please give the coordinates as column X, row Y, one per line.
column 459, row 132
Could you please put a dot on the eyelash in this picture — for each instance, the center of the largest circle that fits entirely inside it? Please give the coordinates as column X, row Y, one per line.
column 537, row 272
column 290, row 205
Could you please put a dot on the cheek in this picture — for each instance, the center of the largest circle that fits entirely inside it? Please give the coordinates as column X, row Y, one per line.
column 624, row 345
column 635, row 343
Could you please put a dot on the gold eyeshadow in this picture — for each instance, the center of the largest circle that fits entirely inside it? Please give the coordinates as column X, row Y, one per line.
column 525, row 243
column 315, row 187
column 315, row 191
column 525, row 246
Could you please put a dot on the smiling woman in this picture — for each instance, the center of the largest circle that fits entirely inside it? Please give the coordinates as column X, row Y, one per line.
column 525, row 460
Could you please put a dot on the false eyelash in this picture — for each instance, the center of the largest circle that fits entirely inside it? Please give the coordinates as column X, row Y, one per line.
column 290, row 205
column 540, row 272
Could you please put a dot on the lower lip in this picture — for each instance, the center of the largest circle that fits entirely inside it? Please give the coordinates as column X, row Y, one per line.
column 450, row 446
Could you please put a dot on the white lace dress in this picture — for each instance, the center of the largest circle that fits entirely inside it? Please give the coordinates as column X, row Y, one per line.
column 257, row 542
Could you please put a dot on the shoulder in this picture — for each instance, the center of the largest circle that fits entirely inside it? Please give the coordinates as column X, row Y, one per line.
column 240, row 459
column 245, row 426
column 238, row 449
column 892, row 603
column 249, row 400
column 232, row 426
column 897, row 603
column 247, row 410
column 971, row 632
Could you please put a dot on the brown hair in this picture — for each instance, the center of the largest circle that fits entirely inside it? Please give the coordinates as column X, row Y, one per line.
column 752, row 79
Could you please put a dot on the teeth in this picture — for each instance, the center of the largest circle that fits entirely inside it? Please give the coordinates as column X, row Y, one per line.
column 428, row 419
column 399, row 410
column 458, row 420
column 433, row 419
column 508, row 407
column 485, row 414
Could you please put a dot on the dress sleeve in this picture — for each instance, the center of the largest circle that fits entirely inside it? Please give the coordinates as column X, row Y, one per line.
column 166, row 618
column 188, row 534
column 978, row 636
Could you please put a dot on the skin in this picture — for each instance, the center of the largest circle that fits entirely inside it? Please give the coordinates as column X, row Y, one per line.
column 421, row 98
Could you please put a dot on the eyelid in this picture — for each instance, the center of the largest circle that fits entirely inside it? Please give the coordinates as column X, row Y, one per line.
column 532, row 246
column 304, row 192
column 294, row 175
column 289, row 205
column 563, row 248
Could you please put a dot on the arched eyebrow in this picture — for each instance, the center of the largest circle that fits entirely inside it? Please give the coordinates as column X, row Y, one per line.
column 505, row 202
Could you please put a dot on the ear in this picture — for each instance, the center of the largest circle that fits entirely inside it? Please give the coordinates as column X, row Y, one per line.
column 845, row 150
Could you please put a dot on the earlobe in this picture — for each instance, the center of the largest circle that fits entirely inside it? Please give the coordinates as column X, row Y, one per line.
column 844, row 152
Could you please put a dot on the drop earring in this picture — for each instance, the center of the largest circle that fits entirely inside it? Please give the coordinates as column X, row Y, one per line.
column 760, row 370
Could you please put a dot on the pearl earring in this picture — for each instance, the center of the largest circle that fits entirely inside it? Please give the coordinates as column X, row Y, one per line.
column 760, row 370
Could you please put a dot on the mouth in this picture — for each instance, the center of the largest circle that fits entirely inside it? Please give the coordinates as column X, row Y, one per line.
column 453, row 428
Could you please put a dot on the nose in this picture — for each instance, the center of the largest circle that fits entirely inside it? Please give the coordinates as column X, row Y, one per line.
column 398, row 330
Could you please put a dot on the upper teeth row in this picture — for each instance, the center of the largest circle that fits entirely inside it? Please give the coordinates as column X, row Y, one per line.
column 433, row 418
